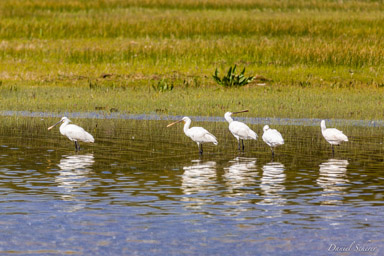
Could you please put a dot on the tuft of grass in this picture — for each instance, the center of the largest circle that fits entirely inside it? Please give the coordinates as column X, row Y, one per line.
column 162, row 86
column 231, row 79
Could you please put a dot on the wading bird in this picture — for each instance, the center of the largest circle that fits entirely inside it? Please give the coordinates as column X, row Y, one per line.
column 273, row 138
column 240, row 130
column 332, row 135
column 73, row 132
column 197, row 134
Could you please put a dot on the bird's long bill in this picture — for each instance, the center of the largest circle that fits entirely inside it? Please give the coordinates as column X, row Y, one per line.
column 49, row 128
column 240, row 111
column 174, row 123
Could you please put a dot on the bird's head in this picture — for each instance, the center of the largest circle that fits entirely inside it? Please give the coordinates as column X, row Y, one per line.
column 228, row 115
column 266, row 128
column 65, row 119
column 184, row 120
column 62, row 120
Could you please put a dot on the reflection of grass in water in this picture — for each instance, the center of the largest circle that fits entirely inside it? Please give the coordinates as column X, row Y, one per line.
column 144, row 141
column 279, row 101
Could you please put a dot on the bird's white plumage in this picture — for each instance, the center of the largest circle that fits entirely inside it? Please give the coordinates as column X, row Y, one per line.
column 239, row 130
column 272, row 137
column 201, row 135
column 198, row 134
column 73, row 132
column 332, row 135
column 242, row 131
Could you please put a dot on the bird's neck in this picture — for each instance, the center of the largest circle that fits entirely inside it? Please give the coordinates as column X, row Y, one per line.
column 186, row 126
column 228, row 118
column 62, row 126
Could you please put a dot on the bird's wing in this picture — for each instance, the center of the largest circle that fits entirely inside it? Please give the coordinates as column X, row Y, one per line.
column 333, row 134
column 242, row 130
column 199, row 134
column 273, row 137
column 74, row 132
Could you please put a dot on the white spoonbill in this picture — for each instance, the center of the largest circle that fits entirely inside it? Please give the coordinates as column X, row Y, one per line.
column 240, row 130
column 73, row 132
column 332, row 135
column 197, row 134
column 272, row 137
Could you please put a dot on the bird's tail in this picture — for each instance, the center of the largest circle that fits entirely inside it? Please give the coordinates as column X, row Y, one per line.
column 215, row 141
column 89, row 138
column 212, row 139
column 253, row 135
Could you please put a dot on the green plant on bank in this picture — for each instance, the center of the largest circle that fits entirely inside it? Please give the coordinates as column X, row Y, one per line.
column 231, row 79
column 162, row 86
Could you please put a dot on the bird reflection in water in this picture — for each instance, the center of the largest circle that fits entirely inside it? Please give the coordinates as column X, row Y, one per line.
column 198, row 180
column 240, row 174
column 240, row 179
column 272, row 184
column 332, row 178
column 73, row 176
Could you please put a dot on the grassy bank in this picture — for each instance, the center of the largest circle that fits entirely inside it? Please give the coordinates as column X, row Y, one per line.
column 317, row 58
column 290, row 42
column 277, row 101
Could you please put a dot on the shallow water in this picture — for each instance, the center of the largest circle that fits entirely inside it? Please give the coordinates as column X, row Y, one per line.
column 155, row 116
column 142, row 189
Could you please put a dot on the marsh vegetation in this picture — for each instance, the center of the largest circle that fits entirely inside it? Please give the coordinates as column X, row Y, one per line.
column 312, row 59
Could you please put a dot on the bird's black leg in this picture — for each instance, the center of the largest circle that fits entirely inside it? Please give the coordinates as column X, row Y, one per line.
column 239, row 145
column 333, row 151
column 77, row 146
column 273, row 154
column 201, row 149
column 242, row 142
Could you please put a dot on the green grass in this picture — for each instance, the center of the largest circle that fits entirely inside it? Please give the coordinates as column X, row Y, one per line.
column 278, row 101
column 328, row 54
